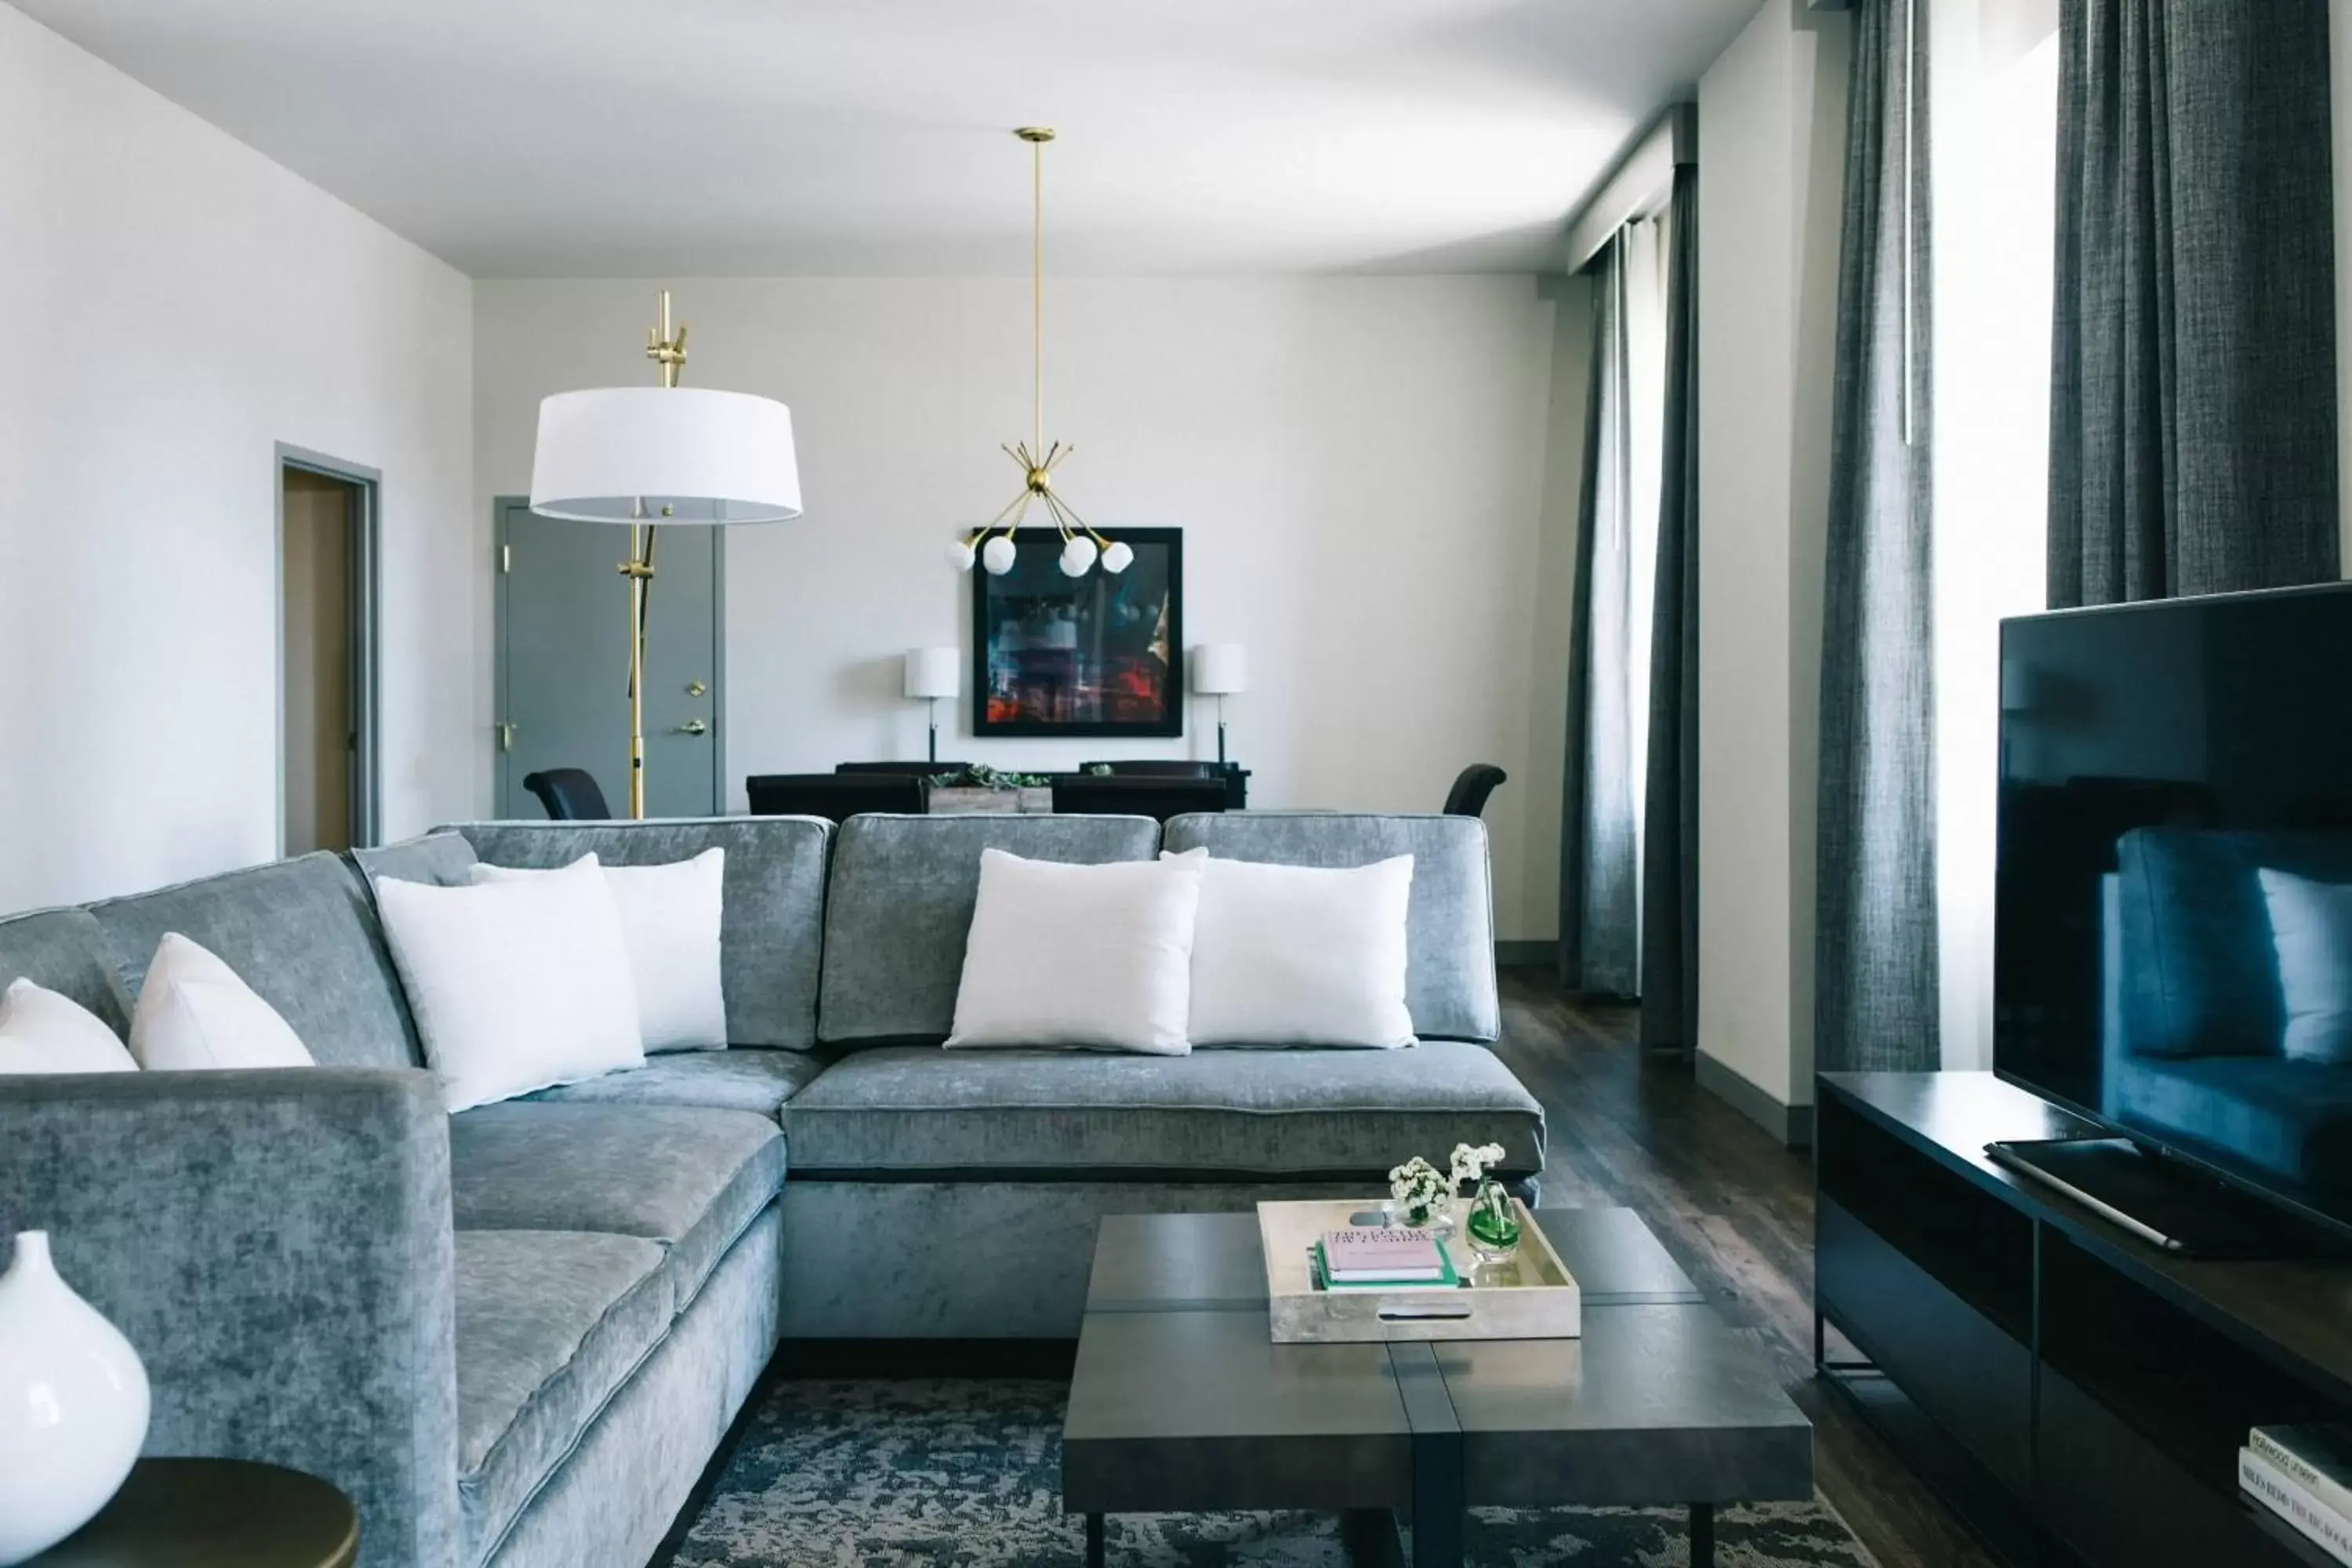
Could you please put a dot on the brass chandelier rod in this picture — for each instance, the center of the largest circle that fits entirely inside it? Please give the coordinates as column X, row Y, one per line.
column 1037, row 138
column 1037, row 461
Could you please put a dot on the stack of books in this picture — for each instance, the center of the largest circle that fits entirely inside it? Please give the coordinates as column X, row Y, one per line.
column 1383, row 1257
column 2303, row 1474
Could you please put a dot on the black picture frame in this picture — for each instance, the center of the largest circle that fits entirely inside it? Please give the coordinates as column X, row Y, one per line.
column 1123, row 673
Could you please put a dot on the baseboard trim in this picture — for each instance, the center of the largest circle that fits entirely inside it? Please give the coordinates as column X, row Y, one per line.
column 1518, row 953
column 1791, row 1124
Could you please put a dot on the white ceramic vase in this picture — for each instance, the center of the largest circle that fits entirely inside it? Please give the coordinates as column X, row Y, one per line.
column 73, row 1405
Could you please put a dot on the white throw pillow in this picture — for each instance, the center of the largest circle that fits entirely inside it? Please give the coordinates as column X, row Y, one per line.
column 1300, row 956
column 2311, row 925
column 42, row 1032
column 669, row 919
column 516, row 985
column 1078, row 955
column 194, row 1012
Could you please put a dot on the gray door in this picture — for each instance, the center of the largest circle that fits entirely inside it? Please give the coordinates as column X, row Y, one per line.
column 564, row 663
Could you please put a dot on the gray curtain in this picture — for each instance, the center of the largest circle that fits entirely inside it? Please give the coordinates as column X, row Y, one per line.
column 1875, row 1001
column 1599, row 941
column 2193, row 409
column 1670, row 812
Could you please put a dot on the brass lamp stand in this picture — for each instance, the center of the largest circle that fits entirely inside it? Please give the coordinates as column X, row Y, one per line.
column 666, row 349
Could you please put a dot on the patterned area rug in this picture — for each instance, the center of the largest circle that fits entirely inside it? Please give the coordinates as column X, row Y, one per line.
column 967, row 1472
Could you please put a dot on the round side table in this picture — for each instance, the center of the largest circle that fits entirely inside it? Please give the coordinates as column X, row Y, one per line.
column 215, row 1513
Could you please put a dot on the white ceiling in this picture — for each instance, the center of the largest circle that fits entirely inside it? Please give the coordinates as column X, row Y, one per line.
column 584, row 138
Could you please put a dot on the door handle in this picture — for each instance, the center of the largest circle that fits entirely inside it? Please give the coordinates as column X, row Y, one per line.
column 507, row 728
column 694, row 727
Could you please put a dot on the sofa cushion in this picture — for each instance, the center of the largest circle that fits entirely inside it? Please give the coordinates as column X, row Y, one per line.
column 441, row 859
column 772, row 915
column 549, row 1325
column 1212, row 1116
column 1450, row 985
column 303, row 933
column 688, row 1177
column 900, row 905
column 64, row 951
column 741, row 1079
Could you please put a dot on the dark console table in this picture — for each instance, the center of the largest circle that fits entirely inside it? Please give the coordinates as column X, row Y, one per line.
column 2074, row 1393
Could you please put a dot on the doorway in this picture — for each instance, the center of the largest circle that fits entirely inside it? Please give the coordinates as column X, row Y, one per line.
column 563, row 662
column 326, row 653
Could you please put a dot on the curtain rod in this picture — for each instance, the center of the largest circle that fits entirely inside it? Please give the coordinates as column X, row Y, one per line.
column 1638, row 187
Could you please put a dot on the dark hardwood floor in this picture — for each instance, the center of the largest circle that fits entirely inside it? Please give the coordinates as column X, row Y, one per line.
column 1736, row 1211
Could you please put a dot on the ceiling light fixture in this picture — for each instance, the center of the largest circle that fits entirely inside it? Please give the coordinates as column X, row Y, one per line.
column 1082, row 547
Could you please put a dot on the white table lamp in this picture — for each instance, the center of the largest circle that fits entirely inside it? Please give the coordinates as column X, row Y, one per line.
column 933, row 673
column 1220, row 670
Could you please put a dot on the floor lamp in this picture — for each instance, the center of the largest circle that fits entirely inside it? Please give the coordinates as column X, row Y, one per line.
column 654, row 456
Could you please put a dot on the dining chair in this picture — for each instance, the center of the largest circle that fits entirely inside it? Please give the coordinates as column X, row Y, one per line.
column 1468, row 796
column 570, row 794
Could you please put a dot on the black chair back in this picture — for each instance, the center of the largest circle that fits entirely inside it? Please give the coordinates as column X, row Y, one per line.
column 1086, row 795
column 919, row 768
column 837, row 797
column 1468, row 796
column 570, row 794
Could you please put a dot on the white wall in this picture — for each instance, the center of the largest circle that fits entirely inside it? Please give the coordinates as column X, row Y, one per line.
column 178, row 304
column 1358, row 464
column 1771, row 134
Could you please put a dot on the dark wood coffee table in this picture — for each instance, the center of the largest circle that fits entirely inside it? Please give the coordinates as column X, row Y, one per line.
column 215, row 1513
column 1181, row 1403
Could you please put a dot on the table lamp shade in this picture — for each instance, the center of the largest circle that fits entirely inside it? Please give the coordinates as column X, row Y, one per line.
column 688, row 454
column 1220, row 668
column 934, row 671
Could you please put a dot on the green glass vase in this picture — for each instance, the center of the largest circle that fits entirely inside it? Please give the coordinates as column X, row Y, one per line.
column 1492, row 1226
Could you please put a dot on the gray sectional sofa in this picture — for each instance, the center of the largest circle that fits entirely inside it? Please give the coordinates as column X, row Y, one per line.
column 516, row 1336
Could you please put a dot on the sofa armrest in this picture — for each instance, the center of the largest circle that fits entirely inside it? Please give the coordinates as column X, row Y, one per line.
column 277, row 1246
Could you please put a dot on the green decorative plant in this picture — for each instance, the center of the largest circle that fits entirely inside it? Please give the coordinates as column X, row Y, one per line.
column 979, row 775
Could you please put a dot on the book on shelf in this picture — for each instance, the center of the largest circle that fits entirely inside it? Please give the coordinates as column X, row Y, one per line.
column 2316, row 1456
column 2326, row 1528
column 1339, row 1266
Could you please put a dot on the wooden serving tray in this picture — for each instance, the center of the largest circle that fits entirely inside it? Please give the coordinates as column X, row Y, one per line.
column 1531, row 1296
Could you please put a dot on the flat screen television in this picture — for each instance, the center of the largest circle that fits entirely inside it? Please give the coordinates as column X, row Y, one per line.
column 2173, row 907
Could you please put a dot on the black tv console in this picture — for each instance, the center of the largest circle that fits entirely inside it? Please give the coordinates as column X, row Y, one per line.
column 2076, row 1394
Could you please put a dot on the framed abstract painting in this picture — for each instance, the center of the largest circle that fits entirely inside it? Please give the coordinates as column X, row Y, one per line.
column 1094, row 656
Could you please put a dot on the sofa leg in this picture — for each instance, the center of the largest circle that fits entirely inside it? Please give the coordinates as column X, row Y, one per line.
column 1093, row 1541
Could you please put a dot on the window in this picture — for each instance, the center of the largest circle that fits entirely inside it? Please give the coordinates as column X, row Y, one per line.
column 1996, row 178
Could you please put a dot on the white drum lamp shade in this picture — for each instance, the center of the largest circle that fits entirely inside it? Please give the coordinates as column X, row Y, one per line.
column 934, row 672
column 1220, row 668
column 665, row 455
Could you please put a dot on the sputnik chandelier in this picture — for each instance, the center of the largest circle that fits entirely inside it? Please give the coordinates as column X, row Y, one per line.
column 1082, row 547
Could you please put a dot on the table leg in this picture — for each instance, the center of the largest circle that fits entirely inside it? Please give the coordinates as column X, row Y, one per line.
column 1702, row 1535
column 1093, row 1541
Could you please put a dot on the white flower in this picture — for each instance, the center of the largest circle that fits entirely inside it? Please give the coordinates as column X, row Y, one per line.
column 1469, row 1165
column 1417, row 1183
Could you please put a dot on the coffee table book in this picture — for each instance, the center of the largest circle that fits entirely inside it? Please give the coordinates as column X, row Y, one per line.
column 1530, row 1296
